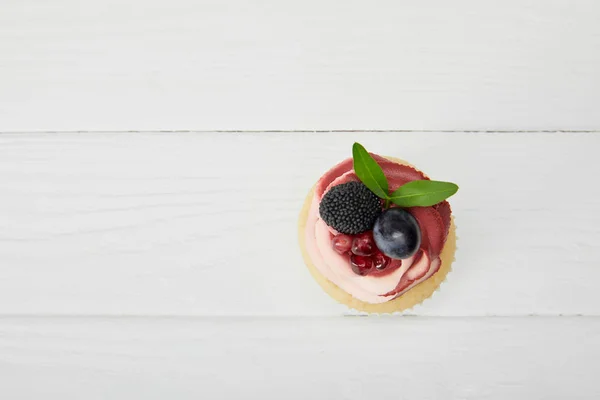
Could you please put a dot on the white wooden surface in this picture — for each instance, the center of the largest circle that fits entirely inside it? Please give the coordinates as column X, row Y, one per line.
column 289, row 65
column 205, row 224
column 165, row 265
column 300, row 358
column 196, row 232
column 166, row 225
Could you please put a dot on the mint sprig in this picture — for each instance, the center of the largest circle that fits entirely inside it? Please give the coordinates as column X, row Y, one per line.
column 369, row 172
column 423, row 193
column 420, row 193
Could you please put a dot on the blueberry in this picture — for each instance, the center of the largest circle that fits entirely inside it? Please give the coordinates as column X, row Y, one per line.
column 397, row 234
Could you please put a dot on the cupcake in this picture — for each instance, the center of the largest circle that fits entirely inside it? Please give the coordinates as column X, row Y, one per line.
column 377, row 234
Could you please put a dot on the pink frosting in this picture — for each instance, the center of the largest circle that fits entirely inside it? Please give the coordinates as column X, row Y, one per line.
column 336, row 267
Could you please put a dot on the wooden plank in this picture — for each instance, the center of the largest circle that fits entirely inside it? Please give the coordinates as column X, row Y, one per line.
column 214, row 65
column 205, row 224
column 316, row 358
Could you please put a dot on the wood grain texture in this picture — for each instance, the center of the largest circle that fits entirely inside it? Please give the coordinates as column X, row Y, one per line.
column 263, row 65
column 316, row 358
column 205, row 224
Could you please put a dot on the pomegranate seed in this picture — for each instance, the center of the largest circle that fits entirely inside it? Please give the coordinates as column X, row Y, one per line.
column 363, row 244
column 361, row 265
column 341, row 243
column 380, row 261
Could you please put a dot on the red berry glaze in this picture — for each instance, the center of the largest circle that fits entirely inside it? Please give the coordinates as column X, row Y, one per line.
column 361, row 265
column 380, row 261
column 363, row 244
column 341, row 243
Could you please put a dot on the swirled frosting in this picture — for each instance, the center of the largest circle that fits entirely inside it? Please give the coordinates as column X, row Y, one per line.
column 400, row 276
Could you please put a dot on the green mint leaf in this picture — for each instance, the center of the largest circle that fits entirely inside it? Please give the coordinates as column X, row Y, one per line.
column 423, row 193
column 369, row 172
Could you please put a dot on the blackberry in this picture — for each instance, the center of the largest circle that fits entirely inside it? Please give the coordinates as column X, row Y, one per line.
column 350, row 208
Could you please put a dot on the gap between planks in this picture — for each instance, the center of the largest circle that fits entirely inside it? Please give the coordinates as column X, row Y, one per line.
column 15, row 317
column 296, row 131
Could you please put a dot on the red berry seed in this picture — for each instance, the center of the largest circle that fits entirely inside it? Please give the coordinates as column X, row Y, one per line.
column 341, row 243
column 361, row 265
column 363, row 244
column 380, row 261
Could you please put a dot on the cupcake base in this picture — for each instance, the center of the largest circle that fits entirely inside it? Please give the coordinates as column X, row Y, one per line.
column 407, row 300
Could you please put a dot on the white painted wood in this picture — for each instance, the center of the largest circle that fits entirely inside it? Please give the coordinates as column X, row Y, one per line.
column 205, row 224
column 206, row 65
column 301, row 358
